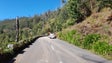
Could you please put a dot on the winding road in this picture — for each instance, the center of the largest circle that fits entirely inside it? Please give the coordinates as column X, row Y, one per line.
column 46, row 50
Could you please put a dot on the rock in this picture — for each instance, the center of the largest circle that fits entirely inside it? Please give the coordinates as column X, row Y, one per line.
column 10, row 46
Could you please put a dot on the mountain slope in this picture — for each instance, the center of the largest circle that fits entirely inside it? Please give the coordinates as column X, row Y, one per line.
column 94, row 33
column 100, row 23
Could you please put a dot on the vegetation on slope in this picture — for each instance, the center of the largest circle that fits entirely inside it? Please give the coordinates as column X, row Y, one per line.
column 94, row 42
column 7, row 53
column 94, row 30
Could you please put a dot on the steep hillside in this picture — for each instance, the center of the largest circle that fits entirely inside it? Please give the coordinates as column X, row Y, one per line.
column 100, row 23
column 94, row 33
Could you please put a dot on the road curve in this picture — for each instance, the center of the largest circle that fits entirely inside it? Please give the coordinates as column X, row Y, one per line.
column 46, row 50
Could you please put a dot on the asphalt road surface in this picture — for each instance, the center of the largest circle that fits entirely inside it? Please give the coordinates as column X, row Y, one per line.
column 46, row 50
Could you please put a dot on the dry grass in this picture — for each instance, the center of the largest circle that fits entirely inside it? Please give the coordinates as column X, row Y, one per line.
column 97, row 23
column 100, row 23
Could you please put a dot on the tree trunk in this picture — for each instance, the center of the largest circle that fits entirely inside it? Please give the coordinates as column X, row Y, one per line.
column 17, row 29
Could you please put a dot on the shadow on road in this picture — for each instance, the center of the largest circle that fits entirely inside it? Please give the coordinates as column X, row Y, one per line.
column 13, row 60
column 95, row 60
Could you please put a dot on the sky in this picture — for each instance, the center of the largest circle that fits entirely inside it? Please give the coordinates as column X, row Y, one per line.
column 12, row 8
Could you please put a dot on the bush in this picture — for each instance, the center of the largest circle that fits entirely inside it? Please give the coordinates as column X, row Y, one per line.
column 90, row 39
column 72, row 37
column 7, row 50
column 69, row 35
column 102, row 48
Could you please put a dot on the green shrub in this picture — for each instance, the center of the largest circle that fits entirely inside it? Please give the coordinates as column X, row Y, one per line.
column 90, row 39
column 102, row 48
column 7, row 50
column 71, row 36
column 68, row 36
column 70, row 21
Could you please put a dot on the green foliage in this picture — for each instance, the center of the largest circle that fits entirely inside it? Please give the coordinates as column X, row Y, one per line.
column 7, row 50
column 8, row 53
column 71, row 36
column 102, row 48
column 70, row 22
column 80, row 9
column 104, row 3
column 90, row 39
column 92, row 42
column 73, row 8
column 16, row 45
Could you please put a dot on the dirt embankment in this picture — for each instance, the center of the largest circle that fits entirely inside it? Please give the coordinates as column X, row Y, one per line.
column 100, row 23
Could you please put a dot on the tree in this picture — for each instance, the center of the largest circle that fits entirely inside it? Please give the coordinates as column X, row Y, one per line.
column 104, row 3
column 73, row 8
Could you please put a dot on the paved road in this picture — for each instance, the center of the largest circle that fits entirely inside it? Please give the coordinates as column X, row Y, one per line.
column 46, row 50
